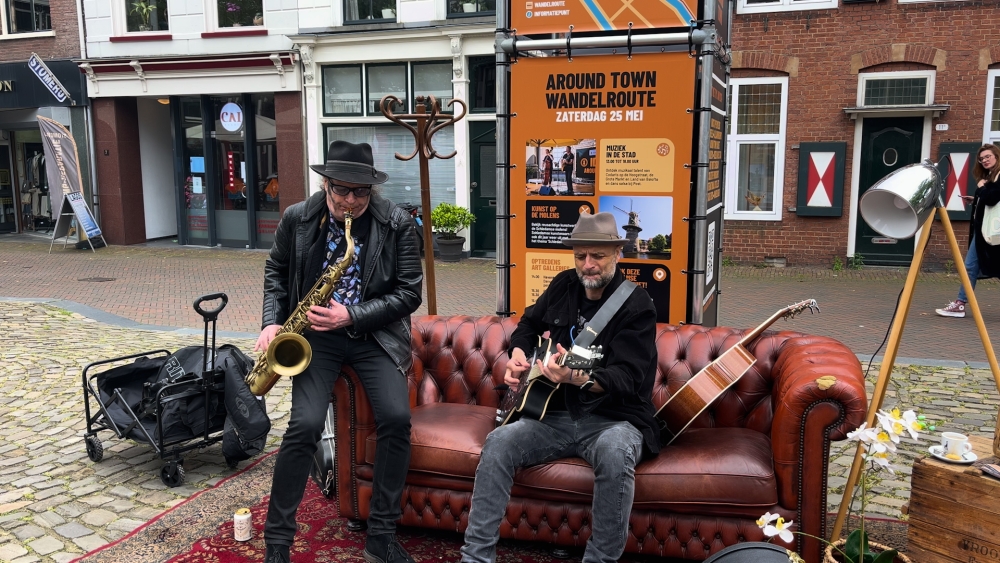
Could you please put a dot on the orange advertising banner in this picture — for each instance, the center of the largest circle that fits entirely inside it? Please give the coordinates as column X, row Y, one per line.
column 602, row 133
column 555, row 16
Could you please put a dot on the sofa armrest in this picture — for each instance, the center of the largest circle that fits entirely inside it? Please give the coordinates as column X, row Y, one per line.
column 818, row 397
column 355, row 421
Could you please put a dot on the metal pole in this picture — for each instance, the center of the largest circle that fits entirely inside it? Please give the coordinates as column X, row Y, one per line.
column 699, row 243
column 508, row 44
column 503, row 160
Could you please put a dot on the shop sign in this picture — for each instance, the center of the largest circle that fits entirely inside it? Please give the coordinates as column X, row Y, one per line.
column 48, row 78
column 6, row 85
column 231, row 117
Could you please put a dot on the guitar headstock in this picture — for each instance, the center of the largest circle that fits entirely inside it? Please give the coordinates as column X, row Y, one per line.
column 792, row 310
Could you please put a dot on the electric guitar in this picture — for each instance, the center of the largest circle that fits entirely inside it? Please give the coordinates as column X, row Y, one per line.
column 535, row 390
column 707, row 385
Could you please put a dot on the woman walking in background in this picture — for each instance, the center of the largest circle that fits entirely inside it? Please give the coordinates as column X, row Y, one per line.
column 982, row 259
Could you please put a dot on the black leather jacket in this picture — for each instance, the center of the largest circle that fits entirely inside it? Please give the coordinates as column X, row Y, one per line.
column 391, row 280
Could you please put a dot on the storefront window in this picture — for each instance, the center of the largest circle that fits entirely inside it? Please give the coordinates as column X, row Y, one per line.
column 237, row 13
column 195, row 220
column 458, row 8
column 342, row 90
column 404, row 176
column 268, row 190
column 384, row 80
column 147, row 15
column 361, row 11
column 25, row 16
column 433, row 79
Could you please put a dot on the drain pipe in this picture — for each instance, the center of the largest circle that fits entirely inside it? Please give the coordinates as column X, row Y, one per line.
column 88, row 116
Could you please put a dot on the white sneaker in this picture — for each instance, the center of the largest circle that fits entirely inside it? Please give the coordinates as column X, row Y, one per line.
column 954, row 309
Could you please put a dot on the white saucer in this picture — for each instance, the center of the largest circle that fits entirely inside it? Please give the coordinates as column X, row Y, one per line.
column 938, row 452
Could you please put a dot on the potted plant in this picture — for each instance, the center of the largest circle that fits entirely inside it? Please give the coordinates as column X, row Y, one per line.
column 469, row 7
column 447, row 219
column 879, row 442
column 143, row 9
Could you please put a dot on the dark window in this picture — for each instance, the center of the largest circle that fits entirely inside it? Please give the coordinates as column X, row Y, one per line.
column 25, row 16
column 384, row 80
column 146, row 15
column 239, row 13
column 361, row 11
column 483, row 71
column 462, row 8
column 433, row 79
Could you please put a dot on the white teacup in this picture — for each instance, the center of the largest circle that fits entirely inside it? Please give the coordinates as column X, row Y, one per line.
column 955, row 443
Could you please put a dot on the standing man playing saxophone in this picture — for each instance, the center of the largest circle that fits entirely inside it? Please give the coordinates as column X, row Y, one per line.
column 367, row 325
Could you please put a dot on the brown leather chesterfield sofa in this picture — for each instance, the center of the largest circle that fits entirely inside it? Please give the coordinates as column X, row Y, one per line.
column 761, row 447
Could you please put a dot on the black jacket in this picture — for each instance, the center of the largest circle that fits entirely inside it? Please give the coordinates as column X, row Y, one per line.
column 391, row 278
column 628, row 369
column 987, row 254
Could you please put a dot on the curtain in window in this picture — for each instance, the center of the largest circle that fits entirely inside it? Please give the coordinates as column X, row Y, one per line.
column 351, row 11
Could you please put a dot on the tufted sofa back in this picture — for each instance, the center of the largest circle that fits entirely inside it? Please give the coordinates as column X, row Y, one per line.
column 461, row 360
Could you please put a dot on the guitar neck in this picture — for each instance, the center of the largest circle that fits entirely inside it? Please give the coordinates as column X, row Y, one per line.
column 792, row 310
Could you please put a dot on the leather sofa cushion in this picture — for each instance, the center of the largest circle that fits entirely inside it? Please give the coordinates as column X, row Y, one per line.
column 445, row 438
column 727, row 469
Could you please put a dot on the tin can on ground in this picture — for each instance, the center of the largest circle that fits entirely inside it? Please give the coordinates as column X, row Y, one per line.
column 242, row 526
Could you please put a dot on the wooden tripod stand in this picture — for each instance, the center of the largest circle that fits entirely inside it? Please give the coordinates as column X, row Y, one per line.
column 894, row 336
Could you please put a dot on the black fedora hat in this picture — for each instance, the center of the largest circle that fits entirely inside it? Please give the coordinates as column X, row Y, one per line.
column 352, row 163
column 593, row 230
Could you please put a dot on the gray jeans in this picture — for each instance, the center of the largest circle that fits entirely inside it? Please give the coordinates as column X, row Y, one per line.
column 611, row 447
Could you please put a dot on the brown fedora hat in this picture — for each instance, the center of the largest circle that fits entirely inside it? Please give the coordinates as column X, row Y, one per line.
column 595, row 229
column 349, row 162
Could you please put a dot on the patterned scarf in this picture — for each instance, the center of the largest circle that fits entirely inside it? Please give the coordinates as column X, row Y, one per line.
column 348, row 290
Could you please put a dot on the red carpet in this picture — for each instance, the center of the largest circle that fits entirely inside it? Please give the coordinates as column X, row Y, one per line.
column 200, row 530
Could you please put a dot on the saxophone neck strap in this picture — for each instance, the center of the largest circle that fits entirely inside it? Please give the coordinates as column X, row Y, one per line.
column 604, row 314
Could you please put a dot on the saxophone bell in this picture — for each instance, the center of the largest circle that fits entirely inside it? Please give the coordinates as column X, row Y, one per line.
column 289, row 354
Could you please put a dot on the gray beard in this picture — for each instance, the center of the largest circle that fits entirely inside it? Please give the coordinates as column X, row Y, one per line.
column 603, row 281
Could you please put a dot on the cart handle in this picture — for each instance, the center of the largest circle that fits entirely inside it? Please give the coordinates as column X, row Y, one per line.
column 211, row 314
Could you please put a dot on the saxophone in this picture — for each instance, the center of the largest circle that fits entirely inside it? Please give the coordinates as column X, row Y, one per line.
column 289, row 353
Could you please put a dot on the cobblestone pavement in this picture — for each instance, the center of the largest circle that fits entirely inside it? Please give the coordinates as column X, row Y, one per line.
column 56, row 504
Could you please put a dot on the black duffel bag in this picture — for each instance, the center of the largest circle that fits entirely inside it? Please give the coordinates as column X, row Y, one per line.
column 247, row 423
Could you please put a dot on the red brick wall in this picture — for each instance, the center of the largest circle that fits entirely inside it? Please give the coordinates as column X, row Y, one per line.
column 119, row 173
column 291, row 147
column 65, row 44
column 816, row 50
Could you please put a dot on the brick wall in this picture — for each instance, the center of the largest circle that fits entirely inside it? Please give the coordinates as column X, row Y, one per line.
column 822, row 52
column 64, row 45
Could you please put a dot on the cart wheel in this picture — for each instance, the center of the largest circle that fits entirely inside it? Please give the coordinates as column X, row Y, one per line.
column 172, row 474
column 232, row 463
column 95, row 449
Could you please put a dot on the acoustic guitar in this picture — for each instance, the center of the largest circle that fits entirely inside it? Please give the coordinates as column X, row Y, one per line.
column 707, row 385
column 535, row 390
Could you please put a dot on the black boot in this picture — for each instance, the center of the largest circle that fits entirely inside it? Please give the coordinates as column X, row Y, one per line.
column 383, row 548
column 277, row 554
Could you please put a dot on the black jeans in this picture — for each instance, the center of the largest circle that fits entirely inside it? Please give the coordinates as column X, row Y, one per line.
column 387, row 389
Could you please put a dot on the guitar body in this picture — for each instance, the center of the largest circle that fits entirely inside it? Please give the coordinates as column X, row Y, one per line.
column 702, row 390
column 534, row 392
column 707, row 385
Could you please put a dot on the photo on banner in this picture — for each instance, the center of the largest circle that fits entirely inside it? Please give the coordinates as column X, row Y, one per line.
column 603, row 133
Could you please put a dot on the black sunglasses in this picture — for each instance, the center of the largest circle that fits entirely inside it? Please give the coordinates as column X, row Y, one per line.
column 342, row 191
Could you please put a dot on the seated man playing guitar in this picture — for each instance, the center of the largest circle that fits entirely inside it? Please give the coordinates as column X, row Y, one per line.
column 603, row 415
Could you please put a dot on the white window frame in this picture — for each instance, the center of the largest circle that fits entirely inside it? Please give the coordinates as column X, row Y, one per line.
column 991, row 136
column 733, row 142
column 5, row 28
column 212, row 19
column 743, row 7
column 119, row 20
column 864, row 77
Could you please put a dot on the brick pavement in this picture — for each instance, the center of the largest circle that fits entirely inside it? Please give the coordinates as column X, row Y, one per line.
column 55, row 503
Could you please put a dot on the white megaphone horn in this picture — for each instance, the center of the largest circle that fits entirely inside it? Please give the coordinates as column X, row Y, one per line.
column 899, row 204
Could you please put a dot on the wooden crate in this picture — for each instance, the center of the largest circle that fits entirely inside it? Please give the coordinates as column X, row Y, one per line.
column 954, row 511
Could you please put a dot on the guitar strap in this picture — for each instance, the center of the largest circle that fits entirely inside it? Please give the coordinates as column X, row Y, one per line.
column 604, row 314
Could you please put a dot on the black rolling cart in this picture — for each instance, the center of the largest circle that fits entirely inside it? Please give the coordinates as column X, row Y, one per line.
column 173, row 401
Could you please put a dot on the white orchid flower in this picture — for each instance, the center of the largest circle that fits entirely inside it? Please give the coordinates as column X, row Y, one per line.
column 882, row 459
column 863, row 434
column 898, row 423
column 766, row 519
column 885, row 442
column 781, row 529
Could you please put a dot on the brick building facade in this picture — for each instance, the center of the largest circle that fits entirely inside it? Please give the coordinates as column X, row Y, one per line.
column 51, row 31
column 894, row 81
